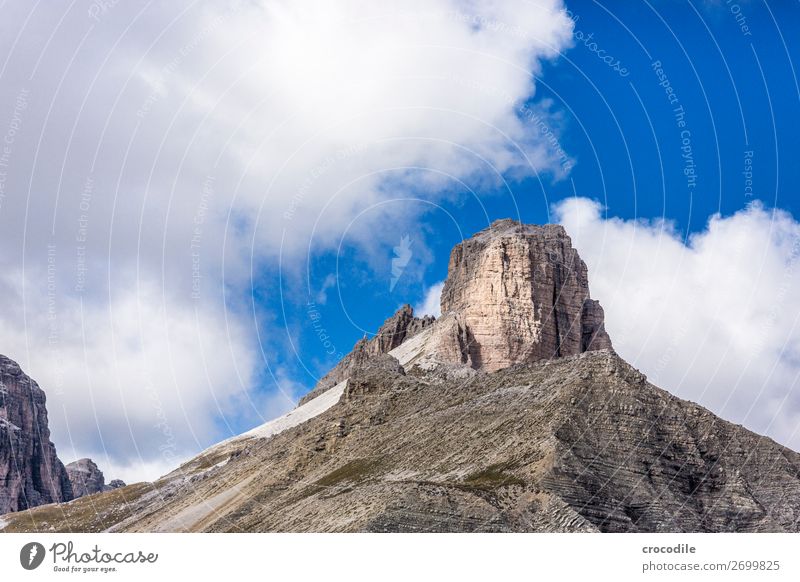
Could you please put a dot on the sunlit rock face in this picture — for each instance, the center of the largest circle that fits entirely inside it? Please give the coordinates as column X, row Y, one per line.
column 519, row 293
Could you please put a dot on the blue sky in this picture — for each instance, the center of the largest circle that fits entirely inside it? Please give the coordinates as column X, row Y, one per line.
column 738, row 93
column 182, row 179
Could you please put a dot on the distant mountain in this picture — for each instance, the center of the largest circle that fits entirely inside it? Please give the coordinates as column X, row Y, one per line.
column 87, row 479
column 510, row 412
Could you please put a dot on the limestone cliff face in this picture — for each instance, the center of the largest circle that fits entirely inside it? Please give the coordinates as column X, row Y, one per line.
column 519, row 293
column 30, row 472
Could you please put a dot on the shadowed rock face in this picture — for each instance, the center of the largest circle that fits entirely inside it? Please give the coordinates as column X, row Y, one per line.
column 30, row 472
column 85, row 477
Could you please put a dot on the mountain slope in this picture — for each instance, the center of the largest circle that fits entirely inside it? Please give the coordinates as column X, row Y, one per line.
column 575, row 444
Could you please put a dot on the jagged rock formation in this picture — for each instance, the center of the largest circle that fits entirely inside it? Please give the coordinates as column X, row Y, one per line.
column 85, row 477
column 509, row 413
column 30, row 472
column 115, row 484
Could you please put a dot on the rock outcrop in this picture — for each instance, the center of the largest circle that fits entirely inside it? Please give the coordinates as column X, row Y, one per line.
column 115, row 484
column 401, row 326
column 85, row 477
column 30, row 472
column 519, row 293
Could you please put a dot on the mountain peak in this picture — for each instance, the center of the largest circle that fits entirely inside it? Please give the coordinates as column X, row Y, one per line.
column 30, row 471
column 520, row 293
column 515, row 293
column 87, row 478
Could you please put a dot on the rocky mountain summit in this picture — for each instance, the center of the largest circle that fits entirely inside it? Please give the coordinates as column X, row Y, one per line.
column 30, row 472
column 515, row 293
column 510, row 412
column 394, row 331
column 520, row 293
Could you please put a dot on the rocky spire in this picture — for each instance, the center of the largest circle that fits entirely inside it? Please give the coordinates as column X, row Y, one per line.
column 30, row 472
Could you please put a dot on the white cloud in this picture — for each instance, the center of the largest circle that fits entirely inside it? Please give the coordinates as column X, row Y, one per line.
column 164, row 152
column 431, row 303
column 328, row 283
column 714, row 319
column 139, row 380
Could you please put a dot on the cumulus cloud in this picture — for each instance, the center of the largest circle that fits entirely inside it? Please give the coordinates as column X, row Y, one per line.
column 332, row 107
column 165, row 155
column 714, row 318
column 431, row 302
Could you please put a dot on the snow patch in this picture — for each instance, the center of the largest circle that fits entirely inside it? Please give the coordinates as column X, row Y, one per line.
column 292, row 418
column 3, row 523
column 9, row 425
column 412, row 349
column 299, row 415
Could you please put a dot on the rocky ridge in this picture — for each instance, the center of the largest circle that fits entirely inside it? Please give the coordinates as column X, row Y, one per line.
column 401, row 326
